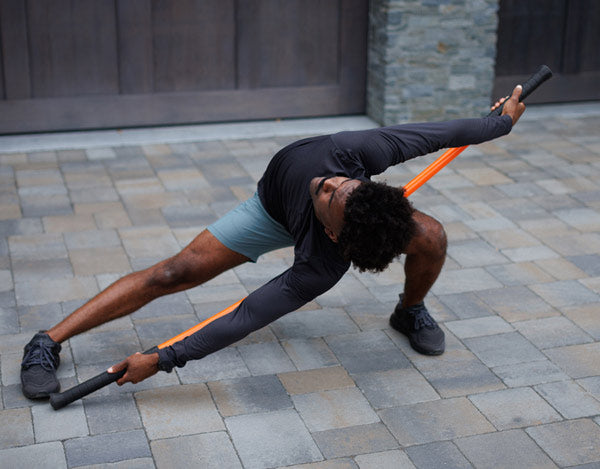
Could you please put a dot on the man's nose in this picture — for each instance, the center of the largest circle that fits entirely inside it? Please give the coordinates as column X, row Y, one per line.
column 330, row 184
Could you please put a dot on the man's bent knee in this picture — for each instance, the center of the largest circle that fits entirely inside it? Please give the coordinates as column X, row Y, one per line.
column 430, row 237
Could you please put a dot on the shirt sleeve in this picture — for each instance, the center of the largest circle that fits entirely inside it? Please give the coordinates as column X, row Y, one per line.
column 381, row 148
column 283, row 294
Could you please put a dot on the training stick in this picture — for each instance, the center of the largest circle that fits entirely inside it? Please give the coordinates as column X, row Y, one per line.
column 535, row 80
column 59, row 400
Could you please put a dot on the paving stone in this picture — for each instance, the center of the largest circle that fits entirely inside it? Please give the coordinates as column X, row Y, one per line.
column 565, row 293
column 223, row 364
column 343, row 463
column 507, row 449
column 592, row 385
column 371, row 316
column 96, row 347
column 92, row 239
column 323, row 379
column 516, row 303
column 249, row 395
column 108, row 414
column 475, row 253
column 347, row 291
column 552, row 332
column 307, row 354
column 153, row 331
column 590, row 264
column 309, row 324
column 584, row 219
column 395, row 387
column 350, row 441
column 514, row 408
column 222, row 293
column 395, row 459
column 50, row 425
column 107, row 448
column 272, row 439
column 53, row 290
column 42, row 455
column 441, row 454
column 337, row 408
column 503, row 349
column 88, row 262
column 205, row 450
column 367, row 351
column 578, row 361
column 37, row 247
column 466, row 305
column 9, row 320
column 569, row 443
column 265, row 358
column 457, row 373
column 426, row 422
column 33, row 270
column 178, row 410
column 570, row 399
column 464, row 280
column 478, row 327
column 63, row 224
column 529, row 374
column 17, row 429
column 522, row 273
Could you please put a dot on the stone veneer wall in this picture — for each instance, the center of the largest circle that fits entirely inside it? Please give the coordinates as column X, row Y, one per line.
column 430, row 59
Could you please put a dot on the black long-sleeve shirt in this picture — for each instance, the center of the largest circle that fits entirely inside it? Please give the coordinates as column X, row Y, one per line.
column 284, row 192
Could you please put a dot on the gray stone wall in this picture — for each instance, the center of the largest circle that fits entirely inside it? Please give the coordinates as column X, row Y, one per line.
column 430, row 59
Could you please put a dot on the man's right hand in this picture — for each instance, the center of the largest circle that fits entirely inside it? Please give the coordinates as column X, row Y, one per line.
column 512, row 106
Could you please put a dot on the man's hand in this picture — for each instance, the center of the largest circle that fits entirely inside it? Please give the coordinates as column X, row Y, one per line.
column 512, row 106
column 139, row 366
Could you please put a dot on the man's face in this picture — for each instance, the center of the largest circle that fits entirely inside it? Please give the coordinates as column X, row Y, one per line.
column 329, row 196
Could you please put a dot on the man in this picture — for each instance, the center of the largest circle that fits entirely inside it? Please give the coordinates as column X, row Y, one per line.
column 316, row 195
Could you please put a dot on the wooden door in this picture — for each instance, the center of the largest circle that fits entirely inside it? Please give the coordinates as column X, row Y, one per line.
column 84, row 64
column 563, row 34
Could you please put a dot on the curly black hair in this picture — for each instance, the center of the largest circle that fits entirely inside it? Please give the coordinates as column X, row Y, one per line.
column 378, row 225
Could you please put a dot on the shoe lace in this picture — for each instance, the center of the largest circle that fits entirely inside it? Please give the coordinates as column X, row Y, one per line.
column 421, row 317
column 41, row 354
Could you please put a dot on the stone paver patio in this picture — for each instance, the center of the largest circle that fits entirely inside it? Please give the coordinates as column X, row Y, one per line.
column 330, row 386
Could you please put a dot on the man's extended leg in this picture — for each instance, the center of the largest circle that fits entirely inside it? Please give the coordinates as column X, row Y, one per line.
column 204, row 258
column 425, row 257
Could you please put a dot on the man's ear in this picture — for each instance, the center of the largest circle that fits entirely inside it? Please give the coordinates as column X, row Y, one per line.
column 331, row 235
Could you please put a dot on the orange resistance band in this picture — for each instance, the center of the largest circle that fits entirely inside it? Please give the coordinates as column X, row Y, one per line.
column 199, row 326
column 432, row 169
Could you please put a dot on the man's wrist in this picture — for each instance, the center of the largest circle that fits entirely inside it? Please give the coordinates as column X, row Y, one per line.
column 164, row 364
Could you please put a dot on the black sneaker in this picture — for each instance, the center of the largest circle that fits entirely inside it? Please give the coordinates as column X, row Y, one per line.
column 423, row 332
column 38, row 368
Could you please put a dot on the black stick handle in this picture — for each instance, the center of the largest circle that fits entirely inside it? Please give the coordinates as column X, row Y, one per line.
column 535, row 80
column 61, row 399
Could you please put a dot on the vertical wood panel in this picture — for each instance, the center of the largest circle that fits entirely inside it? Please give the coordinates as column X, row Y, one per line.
column 287, row 43
column 193, row 45
column 582, row 37
column 136, row 68
column 13, row 27
column 529, row 33
column 73, row 47
column 353, row 63
column 2, row 93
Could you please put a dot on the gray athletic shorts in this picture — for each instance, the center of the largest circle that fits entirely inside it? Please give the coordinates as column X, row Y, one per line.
column 249, row 230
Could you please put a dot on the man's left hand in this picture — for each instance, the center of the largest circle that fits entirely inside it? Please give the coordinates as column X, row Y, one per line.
column 139, row 366
column 512, row 106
